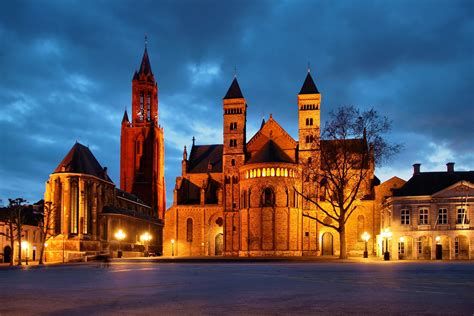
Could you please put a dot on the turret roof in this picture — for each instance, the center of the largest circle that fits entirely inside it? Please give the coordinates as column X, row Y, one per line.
column 234, row 91
column 309, row 87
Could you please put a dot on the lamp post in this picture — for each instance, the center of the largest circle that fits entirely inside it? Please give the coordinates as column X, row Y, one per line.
column 145, row 238
column 120, row 235
column 24, row 245
column 386, row 234
column 172, row 247
column 366, row 237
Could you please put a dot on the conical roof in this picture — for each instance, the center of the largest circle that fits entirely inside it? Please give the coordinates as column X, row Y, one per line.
column 309, row 87
column 234, row 91
column 125, row 117
column 145, row 67
column 81, row 160
column 270, row 152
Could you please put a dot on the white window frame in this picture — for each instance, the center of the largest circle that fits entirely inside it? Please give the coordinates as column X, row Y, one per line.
column 405, row 216
column 424, row 217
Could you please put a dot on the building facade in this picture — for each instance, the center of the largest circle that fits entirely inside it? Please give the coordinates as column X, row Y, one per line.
column 88, row 208
column 429, row 217
column 240, row 198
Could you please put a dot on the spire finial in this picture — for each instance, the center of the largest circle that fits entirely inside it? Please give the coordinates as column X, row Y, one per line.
column 194, row 139
column 309, row 67
column 146, row 41
column 235, row 71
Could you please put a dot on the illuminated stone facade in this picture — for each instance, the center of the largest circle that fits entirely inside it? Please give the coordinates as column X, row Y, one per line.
column 89, row 209
column 142, row 162
column 238, row 198
column 430, row 217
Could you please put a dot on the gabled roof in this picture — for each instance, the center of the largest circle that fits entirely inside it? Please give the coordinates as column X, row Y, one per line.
column 270, row 152
column 81, row 160
column 203, row 155
column 428, row 183
column 309, row 87
column 263, row 133
column 234, row 91
column 145, row 67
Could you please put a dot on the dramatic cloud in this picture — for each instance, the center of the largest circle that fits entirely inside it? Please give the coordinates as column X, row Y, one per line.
column 66, row 68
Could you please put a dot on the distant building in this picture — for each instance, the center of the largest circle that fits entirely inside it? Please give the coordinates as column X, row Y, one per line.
column 31, row 242
column 238, row 198
column 430, row 216
column 90, row 210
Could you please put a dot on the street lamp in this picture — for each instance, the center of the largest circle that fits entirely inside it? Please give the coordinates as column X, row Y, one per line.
column 145, row 238
column 366, row 237
column 172, row 247
column 24, row 245
column 120, row 235
column 386, row 234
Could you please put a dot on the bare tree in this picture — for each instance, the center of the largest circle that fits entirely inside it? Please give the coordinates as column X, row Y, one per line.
column 46, row 226
column 13, row 217
column 352, row 143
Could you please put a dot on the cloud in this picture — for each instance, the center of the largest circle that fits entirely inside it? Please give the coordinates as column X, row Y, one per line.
column 66, row 72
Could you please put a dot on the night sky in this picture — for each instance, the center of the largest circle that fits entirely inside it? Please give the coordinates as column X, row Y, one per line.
column 66, row 69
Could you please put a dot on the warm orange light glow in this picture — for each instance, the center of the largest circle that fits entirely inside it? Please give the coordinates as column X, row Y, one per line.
column 120, row 235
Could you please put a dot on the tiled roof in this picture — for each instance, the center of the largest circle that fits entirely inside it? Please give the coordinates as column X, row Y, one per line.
column 81, row 160
column 309, row 87
column 202, row 155
column 428, row 183
column 129, row 196
column 234, row 91
column 108, row 209
column 270, row 152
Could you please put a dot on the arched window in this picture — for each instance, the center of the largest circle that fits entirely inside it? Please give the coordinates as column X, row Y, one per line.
column 268, row 197
column 74, row 207
column 264, row 173
column 232, row 162
column 258, row 172
column 278, row 172
column 307, row 139
column 189, row 229
column 311, row 121
column 272, row 172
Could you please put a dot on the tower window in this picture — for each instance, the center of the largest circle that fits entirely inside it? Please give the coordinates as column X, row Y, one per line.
column 232, row 162
column 140, row 111
column 148, row 106
column 233, row 126
column 189, row 230
column 233, row 143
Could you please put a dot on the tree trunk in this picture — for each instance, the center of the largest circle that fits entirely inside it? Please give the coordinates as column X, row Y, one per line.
column 19, row 244
column 342, row 243
column 12, row 244
column 43, row 239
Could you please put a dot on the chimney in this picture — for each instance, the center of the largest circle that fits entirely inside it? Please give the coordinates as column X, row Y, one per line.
column 416, row 168
column 450, row 167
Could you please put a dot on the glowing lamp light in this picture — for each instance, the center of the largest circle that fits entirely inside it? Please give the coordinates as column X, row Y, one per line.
column 145, row 237
column 24, row 244
column 365, row 236
column 438, row 239
column 120, row 235
column 172, row 241
column 402, row 239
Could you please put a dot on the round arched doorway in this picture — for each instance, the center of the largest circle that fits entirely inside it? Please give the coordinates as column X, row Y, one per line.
column 327, row 243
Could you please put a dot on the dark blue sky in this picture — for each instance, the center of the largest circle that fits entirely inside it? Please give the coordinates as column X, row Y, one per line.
column 66, row 70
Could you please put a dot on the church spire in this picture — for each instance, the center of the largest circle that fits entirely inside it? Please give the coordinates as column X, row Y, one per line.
column 234, row 91
column 309, row 87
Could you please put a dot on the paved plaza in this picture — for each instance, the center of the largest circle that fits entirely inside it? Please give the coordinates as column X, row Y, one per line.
column 330, row 288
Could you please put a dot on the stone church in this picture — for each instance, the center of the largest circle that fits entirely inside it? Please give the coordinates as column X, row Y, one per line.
column 88, row 209
column 239, row 199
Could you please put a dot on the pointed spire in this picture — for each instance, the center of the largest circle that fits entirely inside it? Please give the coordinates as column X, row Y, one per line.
column 234, row 91
column 125, row 117
column 309, row 87
column 145, row 67
column 194, row 139
column 263, row 123
column 185, row 154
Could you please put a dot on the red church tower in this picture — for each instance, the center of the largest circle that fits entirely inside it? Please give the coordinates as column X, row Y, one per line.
column 142, row 162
